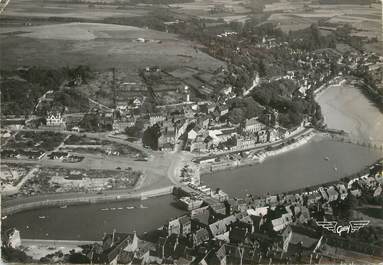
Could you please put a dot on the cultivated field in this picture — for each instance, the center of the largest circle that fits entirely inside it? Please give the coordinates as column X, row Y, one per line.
column 366, row 20
column 225, row 9
column 90, row 10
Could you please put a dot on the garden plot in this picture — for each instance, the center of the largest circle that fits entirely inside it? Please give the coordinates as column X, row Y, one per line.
column 56, row 180
column 31, row 145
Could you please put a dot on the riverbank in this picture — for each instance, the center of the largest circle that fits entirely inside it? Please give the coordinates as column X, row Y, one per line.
column 62, row 200
column 336, row 81
column 321, row 160
column 258, row 156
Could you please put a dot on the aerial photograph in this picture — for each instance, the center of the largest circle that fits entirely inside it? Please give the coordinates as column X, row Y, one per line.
column 191, row 132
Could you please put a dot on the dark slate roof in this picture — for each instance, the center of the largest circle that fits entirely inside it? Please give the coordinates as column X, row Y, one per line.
column 113, row 245
column 237, row 234
column 201, row 235
column 184, row 220
column 249, row 253
column 306, row 241
column 221, row 226
column 125, row 257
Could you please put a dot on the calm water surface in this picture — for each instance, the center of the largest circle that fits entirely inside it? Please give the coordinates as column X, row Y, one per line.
column 89, row 222
column 343, row 108
column 299, row 168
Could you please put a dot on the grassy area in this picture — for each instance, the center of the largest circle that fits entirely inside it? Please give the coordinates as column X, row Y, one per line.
column 53, row 180
column 98, row 45
column 83, row 140
column 42, row 141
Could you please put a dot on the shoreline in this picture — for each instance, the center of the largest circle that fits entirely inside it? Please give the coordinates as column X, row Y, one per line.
column 259, row 156
column 49, row 201
column 332, row 82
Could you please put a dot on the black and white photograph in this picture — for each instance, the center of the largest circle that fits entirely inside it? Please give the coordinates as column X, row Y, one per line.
column 191, row 132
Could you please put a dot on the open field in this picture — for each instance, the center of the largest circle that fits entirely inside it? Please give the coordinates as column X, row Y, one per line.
column 366, row 20
column 62, row 9
column 101, row 46
column 214, row 9
column 291, row 15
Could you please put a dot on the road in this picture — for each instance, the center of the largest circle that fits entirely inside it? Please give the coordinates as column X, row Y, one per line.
column 49, row 243
column 161, row 172
column 260, row 147
column 16, row 188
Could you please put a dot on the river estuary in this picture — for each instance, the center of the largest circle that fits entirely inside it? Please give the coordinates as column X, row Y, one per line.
column 343, row 107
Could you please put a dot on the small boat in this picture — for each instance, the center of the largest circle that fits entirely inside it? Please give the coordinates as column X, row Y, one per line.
column 335, row 169
column 142, row 206
column 120, row 208
column 129, row 207
column 4, row 217
column 42, row 217
column 64, row 206
column 113, row 209
column 105, row 209
column 326, row 158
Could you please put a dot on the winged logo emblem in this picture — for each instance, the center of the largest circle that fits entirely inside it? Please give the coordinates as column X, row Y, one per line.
column 356, row 225
column 330, row 226
column 338, row 229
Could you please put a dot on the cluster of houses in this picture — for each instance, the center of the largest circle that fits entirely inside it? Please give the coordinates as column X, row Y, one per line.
column 200, row 126
column 207, row 126
column 203, row 126
column 274, row 229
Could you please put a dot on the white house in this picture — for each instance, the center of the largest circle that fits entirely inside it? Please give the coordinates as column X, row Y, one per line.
column 253, row 125
column 332, row 194
column 13, row 239
column 55, row 119
column 192, row 134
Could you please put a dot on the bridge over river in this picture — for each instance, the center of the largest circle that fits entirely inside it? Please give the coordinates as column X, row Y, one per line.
column 345, row 137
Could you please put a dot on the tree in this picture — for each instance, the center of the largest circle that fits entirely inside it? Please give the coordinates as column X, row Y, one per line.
column 236, row 115
column 136, row 130
column 150, row 137
column 77, row 258
column 15, row 255
column 262, row 68
column 89, row 122
column 344, row 208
